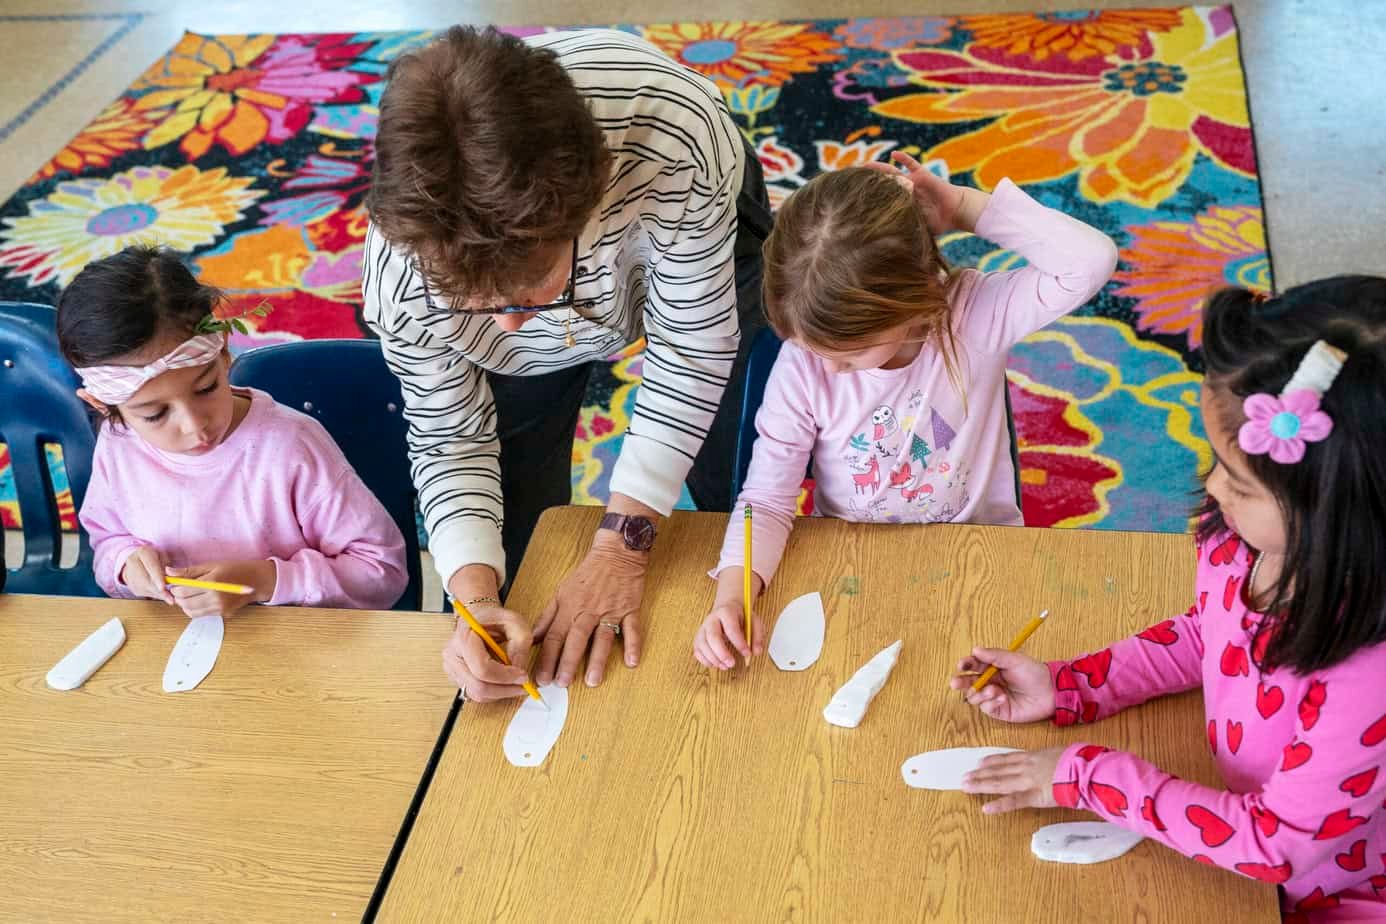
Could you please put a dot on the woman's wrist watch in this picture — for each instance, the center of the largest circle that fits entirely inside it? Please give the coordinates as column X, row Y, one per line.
column 638, row 533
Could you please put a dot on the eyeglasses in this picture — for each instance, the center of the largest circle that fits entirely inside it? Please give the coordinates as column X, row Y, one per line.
column 565, row 300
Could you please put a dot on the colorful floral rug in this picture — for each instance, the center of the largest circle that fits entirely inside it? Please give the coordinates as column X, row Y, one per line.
column 252, row 154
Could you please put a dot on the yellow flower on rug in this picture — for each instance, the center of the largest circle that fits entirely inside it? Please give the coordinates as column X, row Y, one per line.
column 1074, row 34
column 119, row 128
column 1130, row 127
column 740, row 53
column 1173, row 266
column 87, row 219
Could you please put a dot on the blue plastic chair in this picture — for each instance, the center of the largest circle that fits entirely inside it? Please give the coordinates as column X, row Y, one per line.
column 41, row 406
column 765, row 349
column 346, row 385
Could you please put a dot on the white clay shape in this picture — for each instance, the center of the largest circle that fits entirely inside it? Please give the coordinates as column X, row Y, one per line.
column 798, row 637
column 849, row 703
column 194, row 655
column 532, row 733
column 86, row 659
column 1082, row 842
column 945, row 769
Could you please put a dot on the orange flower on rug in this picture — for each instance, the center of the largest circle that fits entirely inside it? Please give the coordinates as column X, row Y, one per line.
column 1130, row 127
column 739, row 53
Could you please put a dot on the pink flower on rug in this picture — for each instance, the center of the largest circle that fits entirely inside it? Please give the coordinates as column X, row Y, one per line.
column 1281, row 426
column 238, row 91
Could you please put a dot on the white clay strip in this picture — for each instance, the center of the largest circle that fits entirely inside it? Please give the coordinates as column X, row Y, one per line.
column 195, row 654
column 798, row 637
column 1082, row 842
column 86, row 659
column 534, row 729
column 945, row 769
column 849, row 703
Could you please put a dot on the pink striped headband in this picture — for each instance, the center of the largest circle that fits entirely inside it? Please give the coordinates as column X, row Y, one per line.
column 115, row 385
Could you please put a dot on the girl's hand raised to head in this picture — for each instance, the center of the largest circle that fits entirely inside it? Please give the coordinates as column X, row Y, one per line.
column 945, row 207
column 1020, row 691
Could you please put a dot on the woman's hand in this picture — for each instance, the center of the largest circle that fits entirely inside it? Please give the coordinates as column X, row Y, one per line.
column 469, row 662
column 597, row 603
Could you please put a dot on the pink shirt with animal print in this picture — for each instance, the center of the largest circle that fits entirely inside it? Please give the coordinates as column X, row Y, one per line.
column 902, row 445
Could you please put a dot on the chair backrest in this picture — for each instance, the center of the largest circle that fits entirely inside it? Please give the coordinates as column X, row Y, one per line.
column 346, row 385
column 38, row 405
column 765, row 349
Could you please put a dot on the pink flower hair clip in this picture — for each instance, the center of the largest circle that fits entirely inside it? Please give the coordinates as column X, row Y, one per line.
column 1282, row 426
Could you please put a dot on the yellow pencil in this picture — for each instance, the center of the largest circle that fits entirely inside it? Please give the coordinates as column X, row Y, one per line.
column 480, row 630
column 746, row 578
column 210, row 585
column 1016, row 642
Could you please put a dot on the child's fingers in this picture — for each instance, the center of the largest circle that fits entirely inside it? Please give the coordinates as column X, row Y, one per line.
column 758, row 633
column 909, row 163
column 734, row 625
column 1006, row 804
column 717, row 644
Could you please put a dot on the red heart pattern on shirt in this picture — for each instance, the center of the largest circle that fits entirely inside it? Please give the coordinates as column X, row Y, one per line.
column 1161, row 633
column 1112, row 799
column 1229, row 592
column 1266, row 820
column 1234, row 736
column 1095, row 667
column 1089, row 713
column 1375, row 733
column 1066, row 794
column 1314, row 699
column 1225, row 553
column 1297, row 754
column 1211, row 827
column 1149, row 814
column 1089, row 751
column 1213, row 735
column 1354, row 860
column 1317, row 901
column 1203, row 601
column 1379, row 883
column 1063, row 718
column 1265, row 872
column 1064, row 680
column 1259, row 644
column 1234, row 662
column 1338, row 824
column 1359, row 784
column 1269, row 699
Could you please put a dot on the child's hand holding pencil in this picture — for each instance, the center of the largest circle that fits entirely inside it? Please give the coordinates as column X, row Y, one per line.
column 1021, row 690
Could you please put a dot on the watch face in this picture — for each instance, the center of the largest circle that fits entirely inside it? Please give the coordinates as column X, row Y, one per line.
column 638, row 533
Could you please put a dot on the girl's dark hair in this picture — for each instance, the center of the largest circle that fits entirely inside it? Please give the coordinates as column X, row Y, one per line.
column 118, row 305
column 1330, row 600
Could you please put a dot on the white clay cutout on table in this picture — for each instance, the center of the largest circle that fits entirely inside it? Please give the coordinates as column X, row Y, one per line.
column 532, row 733
column 945, row 769
column 194, row 655
column 849, row 703
column 86, row 659
column 1082, row 842
column 798, row 637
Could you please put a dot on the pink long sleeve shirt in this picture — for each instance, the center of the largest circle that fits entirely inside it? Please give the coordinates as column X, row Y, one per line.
column 1301, row 755
column 902, row 445
column 277, row 488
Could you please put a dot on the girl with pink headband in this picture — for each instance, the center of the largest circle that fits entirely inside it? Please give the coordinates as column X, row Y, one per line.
column 193, row 478
column 1286, row 634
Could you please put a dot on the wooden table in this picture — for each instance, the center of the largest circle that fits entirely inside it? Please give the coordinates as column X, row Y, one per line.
column 272, row 792
column 676, row 795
